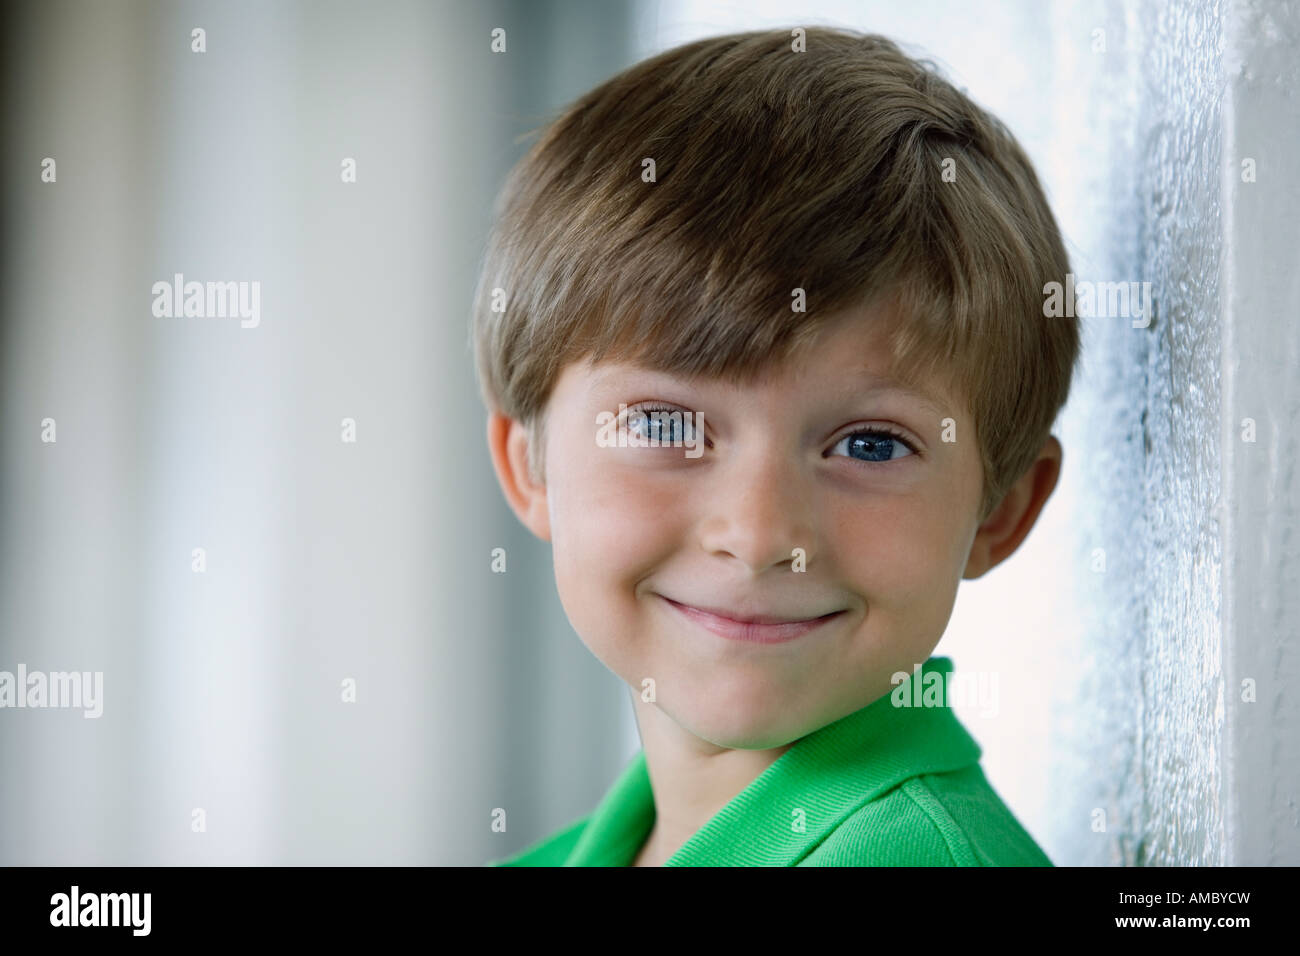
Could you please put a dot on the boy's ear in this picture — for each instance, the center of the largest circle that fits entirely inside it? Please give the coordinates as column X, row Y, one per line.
column 508, row 443
column 1003, row 530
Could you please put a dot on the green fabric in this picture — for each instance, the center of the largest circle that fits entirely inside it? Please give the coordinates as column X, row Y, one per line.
column 884, row 786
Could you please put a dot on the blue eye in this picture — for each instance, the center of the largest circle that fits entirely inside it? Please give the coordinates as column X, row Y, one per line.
column 661, row 424
column 875, row 445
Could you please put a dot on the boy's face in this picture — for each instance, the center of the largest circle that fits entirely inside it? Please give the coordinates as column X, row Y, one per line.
column 883, row 533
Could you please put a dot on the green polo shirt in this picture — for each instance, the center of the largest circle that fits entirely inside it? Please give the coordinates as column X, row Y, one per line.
column 883, row 786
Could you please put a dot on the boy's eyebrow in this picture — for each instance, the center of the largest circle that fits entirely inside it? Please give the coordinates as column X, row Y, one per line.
column 878, row 384
column 874, row 384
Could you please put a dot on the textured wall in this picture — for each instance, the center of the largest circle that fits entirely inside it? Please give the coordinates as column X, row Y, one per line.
column 1140, row 725
column 1198, row 527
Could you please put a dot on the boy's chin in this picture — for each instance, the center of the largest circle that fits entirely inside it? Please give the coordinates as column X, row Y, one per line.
column 738, row 729
column 743, row 708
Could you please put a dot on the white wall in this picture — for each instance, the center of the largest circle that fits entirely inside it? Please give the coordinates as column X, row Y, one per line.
column 1261, row 380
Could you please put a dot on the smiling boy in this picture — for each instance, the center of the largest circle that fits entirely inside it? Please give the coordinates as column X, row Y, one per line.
column 833, row 272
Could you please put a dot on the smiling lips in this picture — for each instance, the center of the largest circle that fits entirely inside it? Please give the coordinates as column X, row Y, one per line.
column 755, row 629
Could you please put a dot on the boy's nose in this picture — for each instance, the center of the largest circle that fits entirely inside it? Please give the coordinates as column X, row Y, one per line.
column 759, row 512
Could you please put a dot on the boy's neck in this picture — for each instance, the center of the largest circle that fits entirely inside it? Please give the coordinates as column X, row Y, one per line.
column 690, row 778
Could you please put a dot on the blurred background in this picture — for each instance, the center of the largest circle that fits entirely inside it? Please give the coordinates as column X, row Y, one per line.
column 1159, row 585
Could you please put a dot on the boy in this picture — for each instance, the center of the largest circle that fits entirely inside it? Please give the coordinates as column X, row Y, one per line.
column 760, row 331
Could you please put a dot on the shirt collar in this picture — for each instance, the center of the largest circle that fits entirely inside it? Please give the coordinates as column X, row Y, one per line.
column 833, row 771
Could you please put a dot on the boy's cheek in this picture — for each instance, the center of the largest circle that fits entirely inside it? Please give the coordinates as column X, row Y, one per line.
column 893, row 539
column 616, row 509
column 905, row 563
column 606, row 538
column 599, row 600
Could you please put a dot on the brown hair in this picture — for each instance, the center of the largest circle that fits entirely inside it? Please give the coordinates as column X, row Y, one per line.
column 779, row 170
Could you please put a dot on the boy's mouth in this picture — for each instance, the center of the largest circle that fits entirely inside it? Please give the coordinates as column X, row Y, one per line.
column 759, row 628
